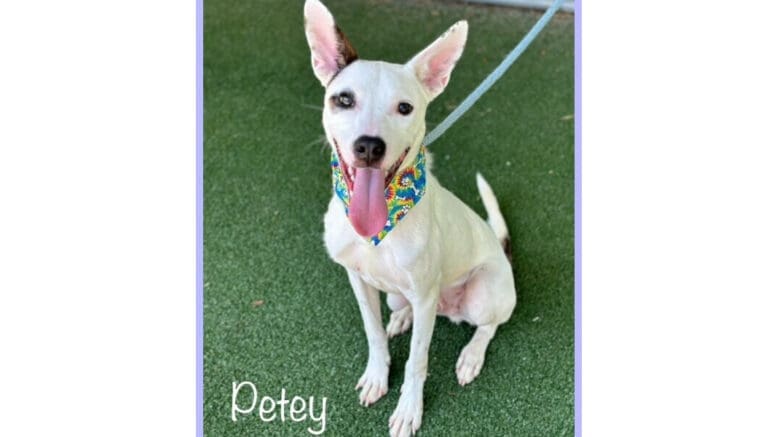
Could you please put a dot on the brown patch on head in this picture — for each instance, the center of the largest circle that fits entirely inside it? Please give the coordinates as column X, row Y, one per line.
column 347, row 52
column 508, row 249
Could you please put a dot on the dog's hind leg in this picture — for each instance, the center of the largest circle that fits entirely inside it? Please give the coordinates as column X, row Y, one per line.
column 401, row 315
column 489, row 301
column 374, row 381
column 474, row 354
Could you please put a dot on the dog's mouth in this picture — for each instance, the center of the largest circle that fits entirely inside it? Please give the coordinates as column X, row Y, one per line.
column 349, row 172
column 367, row 210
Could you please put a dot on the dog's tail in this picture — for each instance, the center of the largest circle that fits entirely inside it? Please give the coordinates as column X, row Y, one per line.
column 495, row 218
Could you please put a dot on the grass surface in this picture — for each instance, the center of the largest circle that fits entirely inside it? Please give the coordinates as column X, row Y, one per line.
column 279, row 313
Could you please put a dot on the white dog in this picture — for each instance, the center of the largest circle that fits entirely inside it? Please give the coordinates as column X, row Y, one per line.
column 390, row 223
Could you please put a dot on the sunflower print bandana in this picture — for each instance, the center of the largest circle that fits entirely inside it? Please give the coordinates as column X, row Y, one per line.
column 403, row 192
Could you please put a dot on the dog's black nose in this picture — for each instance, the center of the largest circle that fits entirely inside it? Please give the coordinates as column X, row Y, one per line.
column 369, row 149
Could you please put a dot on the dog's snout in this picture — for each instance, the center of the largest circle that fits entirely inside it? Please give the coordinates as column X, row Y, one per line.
column 369, row 149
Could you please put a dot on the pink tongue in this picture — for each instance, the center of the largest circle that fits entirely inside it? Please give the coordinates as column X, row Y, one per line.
column 367, row 210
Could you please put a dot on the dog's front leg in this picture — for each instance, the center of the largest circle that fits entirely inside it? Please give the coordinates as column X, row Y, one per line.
column 406, row 418
column 374, row 381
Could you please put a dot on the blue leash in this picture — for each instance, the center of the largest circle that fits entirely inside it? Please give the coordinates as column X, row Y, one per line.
column 494, row 76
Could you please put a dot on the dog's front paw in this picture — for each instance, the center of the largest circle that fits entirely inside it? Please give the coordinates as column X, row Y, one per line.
column 374, row 384
column 406, row 418
column 399, row 321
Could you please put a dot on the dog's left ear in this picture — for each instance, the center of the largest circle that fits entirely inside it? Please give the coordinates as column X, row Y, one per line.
column 330, row 50
column 433, row 66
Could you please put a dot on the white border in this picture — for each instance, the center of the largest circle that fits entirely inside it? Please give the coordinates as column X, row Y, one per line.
column 97, row 222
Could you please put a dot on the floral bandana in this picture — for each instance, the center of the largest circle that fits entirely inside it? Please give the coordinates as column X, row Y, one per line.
column 405, row 191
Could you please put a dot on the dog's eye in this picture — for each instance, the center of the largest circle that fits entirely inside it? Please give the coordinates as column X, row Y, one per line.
column 405, row 108
column 343, row 100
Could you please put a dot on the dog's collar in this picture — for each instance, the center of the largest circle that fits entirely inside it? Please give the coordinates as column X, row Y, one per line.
column 403, row 192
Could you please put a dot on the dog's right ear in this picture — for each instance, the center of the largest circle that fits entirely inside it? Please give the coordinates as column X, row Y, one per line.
column 330, row 50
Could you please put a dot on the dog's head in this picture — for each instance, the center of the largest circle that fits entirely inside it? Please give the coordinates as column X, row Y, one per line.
column 374, row 111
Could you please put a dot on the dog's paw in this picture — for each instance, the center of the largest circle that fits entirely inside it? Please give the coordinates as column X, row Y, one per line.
column 399, row 321
column 406, row 418
column 374, row 384
column 469, row 364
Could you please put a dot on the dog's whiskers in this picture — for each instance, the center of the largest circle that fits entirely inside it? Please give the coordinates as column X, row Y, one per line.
column 320, row 140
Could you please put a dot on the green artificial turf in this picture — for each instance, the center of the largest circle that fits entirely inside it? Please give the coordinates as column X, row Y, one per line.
column 279, row 313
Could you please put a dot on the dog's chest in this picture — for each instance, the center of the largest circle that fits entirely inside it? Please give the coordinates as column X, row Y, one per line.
column 385, row 267
column 376, row 267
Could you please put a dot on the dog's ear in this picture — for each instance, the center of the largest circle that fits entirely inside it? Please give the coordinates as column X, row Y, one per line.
column 330, row 50
column 434, row 64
